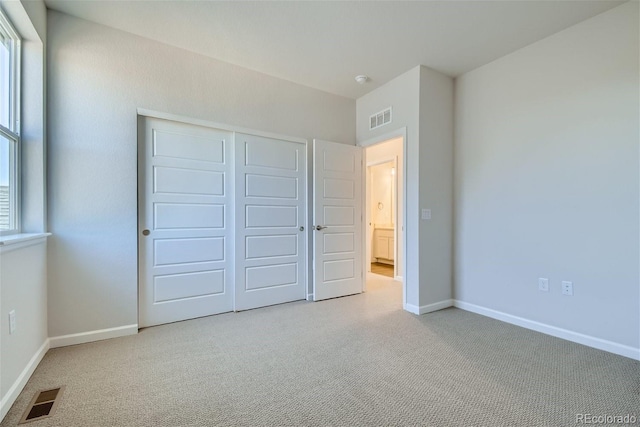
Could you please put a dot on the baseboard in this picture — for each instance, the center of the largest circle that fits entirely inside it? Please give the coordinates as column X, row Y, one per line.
column 13, row 393
column 84, row 337
column 600, row 344
column 309, row 297
column 424, row 309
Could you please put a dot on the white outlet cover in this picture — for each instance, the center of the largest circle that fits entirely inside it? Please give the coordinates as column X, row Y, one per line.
column 543, row 284
column 567, row 288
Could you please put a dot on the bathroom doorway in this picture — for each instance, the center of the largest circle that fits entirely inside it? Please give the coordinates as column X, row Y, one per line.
column 384, row 217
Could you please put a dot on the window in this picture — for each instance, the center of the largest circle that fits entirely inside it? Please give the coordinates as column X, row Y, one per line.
column 9, row 127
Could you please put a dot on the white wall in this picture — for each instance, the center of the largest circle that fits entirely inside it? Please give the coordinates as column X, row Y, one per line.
column 380, row 152
column 382, row 197
column 23, row 288
column 403, row 95
column 422, row 101
column 436, row 189
column 547, row 180
column 23, row 268
column 98, row 77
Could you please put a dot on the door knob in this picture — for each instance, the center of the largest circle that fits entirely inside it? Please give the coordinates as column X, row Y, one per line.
column 301, row 228
column 320, row 227
column 145, row 232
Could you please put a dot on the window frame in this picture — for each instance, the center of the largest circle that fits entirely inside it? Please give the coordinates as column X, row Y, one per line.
column 12, row 132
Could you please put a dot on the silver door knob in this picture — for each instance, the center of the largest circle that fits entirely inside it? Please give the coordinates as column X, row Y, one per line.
column 320, row 227
column 301, row 228
column 145, row 232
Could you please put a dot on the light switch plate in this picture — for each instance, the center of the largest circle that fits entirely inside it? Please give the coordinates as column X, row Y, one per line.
column 12, row 322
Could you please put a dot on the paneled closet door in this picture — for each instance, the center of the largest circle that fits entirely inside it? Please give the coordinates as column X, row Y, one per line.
column 185, row 221
column 271, row 240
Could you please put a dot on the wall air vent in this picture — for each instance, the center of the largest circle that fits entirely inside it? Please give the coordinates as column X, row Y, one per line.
column 380, row 119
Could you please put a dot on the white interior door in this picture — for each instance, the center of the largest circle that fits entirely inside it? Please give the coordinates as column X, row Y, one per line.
column 185, row 221
column 271, row 242
column 337, row 220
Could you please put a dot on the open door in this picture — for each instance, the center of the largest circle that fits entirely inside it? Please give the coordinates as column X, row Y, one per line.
column 337, row 220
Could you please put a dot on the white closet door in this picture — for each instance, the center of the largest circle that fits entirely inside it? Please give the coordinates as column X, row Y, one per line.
column 271, row 210
column 185, row 221
column 337, row 217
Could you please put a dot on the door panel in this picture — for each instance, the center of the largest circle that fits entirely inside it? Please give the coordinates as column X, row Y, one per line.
column 271, row 208
column 337, row 198
column 188, row 215
column 272, row 216
column 185, row 204
column 172, row 142
column 188, row 181
column 184, row 251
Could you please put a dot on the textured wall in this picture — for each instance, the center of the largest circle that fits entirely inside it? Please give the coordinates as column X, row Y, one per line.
column 98, row 77
column 547, row 180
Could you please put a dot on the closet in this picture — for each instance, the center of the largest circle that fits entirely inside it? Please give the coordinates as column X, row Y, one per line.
column 221, row 220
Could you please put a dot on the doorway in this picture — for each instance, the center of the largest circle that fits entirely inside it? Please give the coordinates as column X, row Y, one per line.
column 384, row 207
column 382, row 223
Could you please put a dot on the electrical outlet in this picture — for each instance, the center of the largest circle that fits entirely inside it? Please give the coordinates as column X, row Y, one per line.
column 543, row 284
column 12, row 321
column 426, row 213
column 567, row 288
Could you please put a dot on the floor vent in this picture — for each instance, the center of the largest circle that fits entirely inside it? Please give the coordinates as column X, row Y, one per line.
column 42, row 405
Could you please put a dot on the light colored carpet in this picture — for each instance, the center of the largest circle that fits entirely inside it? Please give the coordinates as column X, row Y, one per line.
column 354, row 361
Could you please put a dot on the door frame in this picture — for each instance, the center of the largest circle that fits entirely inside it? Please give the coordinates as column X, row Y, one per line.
column 397, row 133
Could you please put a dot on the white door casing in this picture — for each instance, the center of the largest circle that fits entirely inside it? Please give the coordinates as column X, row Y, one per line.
column 271, row 241
column 337, row 218
column 185, row 221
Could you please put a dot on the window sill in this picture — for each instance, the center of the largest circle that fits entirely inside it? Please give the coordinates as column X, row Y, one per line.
column 16, row 241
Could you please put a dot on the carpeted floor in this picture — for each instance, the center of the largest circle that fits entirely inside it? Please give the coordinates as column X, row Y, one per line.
column 353, row 361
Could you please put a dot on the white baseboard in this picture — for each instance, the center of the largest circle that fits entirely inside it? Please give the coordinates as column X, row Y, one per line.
column 13, row 392
column 424, row 309
column 84, row 337
column 309, row 297
column 600, row 344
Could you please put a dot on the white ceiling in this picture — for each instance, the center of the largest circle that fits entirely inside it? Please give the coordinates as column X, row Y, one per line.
column 325, row 44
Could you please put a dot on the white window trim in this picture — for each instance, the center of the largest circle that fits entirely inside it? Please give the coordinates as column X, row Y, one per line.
column 14, row 176
column 18, row 241
column 14, row 83
column 13, row 131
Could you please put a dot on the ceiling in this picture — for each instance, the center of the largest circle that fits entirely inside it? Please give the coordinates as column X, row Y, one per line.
column 325, row 44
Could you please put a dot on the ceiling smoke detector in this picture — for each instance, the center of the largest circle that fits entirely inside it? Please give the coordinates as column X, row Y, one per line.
column 362, row 79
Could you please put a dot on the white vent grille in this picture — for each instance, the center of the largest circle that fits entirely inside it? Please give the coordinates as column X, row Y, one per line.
column 380, row 119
